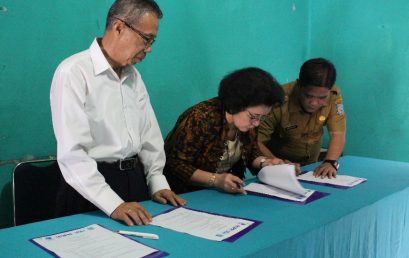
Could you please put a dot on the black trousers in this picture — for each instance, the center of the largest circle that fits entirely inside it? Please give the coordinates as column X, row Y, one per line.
column 130, row 185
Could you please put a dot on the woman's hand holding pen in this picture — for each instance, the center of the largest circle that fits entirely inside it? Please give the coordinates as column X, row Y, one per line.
column 229, row 183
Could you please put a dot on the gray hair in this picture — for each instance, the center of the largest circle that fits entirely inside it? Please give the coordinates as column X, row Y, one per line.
column 131, row 11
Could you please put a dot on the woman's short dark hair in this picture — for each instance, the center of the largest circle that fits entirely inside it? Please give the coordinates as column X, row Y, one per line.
column 317, row 72
column 249, row 87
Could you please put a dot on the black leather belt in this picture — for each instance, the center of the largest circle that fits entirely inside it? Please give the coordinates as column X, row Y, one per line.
column 128, row 163
column 125, row 164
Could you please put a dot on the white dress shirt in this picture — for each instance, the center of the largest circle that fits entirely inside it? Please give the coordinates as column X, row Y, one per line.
column 98, row 116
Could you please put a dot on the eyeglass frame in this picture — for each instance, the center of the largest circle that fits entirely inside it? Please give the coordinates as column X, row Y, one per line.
column 255, row 117
column 148, row 41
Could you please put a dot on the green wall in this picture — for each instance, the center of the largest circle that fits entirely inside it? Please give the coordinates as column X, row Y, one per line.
column 202, row 40
column 199, row 42
column 369, row 43
column 35, row 36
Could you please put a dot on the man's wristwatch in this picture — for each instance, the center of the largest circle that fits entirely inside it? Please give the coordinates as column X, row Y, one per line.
column 334, row 163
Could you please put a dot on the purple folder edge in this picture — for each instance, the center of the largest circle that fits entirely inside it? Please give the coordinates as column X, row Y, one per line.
column 42, row 247
column 315, row 196
column 236, row 236
column 330, row 185
column 157, row 254
column 327, row 184
column 230, row 239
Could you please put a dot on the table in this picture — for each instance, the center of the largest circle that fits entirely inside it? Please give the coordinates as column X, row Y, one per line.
column 369, row 220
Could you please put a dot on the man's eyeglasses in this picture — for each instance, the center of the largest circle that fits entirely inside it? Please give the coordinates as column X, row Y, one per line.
column 255, row 117
column 148, row 41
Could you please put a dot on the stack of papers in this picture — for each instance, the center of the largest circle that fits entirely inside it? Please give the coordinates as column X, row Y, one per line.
column 341, row 181
column 256, row 188
column 279, row 181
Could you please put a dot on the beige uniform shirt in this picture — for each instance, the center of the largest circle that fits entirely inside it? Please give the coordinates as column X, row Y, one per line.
column 290, row 133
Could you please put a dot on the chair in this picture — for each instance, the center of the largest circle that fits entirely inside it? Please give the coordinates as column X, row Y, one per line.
column 35, row 186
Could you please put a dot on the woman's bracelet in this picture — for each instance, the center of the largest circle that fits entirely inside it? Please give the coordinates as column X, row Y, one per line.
column 212, row 180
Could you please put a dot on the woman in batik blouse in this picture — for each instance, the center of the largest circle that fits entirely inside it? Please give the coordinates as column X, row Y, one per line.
column 214, row 141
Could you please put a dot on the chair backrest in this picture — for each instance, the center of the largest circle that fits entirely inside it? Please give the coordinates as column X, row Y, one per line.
column 35, row 187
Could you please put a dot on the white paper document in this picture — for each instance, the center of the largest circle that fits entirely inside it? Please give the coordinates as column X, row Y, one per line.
column 340, row 180
column 280, row 181
column 277, row 192
column 202, row 224
column 281, row 176
column 92, row 241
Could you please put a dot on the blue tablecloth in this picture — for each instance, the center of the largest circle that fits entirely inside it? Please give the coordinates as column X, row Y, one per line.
column 369, row 220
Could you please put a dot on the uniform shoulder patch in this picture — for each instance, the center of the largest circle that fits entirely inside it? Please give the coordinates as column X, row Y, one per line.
column 340, row 109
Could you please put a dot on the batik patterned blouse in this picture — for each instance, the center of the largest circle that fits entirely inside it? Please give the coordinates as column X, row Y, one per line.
column 198, row 141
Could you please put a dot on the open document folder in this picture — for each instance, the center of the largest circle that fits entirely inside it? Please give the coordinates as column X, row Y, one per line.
column 204, row 224
column 341, row 181
column 94, row 241
column 279, row 181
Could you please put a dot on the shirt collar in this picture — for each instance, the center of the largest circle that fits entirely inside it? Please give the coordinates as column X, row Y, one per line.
column 101, row 64
column 294, row 104
column 98, row 59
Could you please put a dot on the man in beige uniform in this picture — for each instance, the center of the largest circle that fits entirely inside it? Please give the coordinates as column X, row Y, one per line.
column 294, row 131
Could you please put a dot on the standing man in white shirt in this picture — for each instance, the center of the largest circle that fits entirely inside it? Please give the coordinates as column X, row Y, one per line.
column 109, row 145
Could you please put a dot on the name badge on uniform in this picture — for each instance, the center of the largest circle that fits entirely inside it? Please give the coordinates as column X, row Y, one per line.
column 290, row 127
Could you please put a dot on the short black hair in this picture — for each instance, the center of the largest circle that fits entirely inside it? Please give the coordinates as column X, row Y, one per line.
column 131, row 11
column 249, row 87
column 317, row 72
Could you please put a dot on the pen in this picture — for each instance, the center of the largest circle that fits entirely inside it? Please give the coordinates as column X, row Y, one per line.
column 139, row 234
